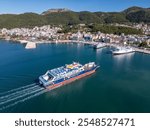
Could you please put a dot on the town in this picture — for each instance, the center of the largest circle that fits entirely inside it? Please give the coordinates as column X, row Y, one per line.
column 54, row 34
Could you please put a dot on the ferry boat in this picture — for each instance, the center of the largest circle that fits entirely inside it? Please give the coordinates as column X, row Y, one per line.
column 99, row 45
column 66, row 74
column 123, row 50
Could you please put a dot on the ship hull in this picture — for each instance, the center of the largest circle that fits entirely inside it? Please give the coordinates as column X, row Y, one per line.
column 67, row 81
column 120, row 53
column 99, row 47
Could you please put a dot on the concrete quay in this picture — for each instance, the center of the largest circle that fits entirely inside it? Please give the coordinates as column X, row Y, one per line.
column 30, row 45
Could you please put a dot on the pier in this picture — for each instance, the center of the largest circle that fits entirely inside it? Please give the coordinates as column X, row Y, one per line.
column 23, row 41
column 30, row 45
column 142, row 50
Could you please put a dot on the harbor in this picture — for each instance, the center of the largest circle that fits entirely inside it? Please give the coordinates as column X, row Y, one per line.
column 32, row 45
column 118, row 80
column 54, row 34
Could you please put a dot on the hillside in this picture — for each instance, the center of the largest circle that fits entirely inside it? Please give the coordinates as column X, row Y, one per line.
column 65, row 16
column 21, row 20
column 138, row 14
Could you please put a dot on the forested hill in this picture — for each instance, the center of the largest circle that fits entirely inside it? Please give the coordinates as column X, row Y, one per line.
column 65, row 16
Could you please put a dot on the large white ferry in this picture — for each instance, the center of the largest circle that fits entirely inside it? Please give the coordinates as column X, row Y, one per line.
column 123, row 50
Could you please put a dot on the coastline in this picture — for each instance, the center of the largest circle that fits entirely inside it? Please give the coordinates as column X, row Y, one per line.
column 32, row 44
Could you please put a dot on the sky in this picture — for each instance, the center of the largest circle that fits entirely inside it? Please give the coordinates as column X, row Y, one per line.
column 38, row 6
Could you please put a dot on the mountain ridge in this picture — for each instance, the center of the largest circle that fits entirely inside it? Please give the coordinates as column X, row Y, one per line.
column 57, row 10
column 65, row 16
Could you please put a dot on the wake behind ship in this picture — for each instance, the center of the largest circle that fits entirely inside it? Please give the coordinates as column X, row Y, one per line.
column 66, row 74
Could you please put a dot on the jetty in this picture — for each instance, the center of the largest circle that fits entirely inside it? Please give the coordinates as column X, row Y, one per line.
column 145, row 51
column 30, row 45
column 23, row 41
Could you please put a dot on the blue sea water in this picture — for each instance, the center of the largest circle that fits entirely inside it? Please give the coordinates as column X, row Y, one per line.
column 121, row 84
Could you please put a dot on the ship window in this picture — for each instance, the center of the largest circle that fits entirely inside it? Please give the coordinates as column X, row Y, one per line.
column 50, row 76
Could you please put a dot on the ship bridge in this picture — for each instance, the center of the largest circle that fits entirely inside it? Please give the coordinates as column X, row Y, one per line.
column 57, row 71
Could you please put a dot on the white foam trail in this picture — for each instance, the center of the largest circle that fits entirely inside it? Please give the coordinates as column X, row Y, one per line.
column 18, row 93
column 23, row 100
column 17, row 97
column 18, row 89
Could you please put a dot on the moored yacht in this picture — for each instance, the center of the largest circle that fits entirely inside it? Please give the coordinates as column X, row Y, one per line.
column 99, row 45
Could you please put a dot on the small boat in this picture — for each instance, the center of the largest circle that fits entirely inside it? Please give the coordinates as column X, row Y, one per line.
column 122, row 50
column 99, row 45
